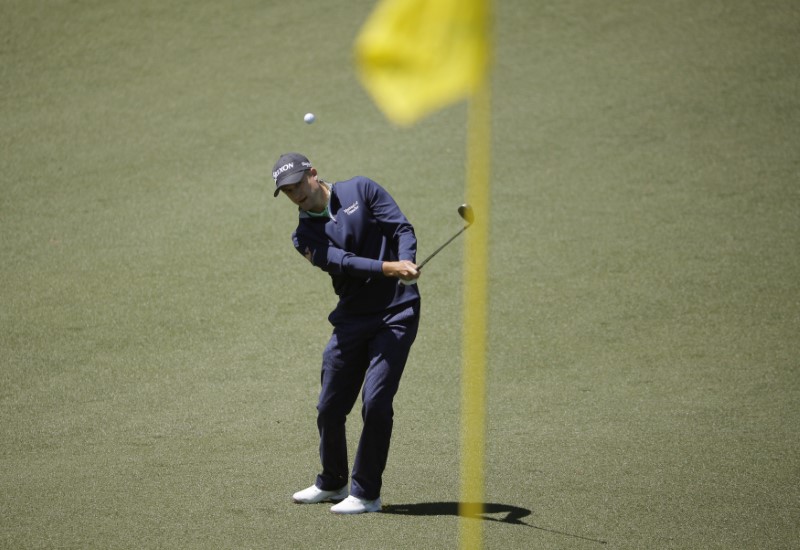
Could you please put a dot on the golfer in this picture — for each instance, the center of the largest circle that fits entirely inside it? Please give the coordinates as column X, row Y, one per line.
column 354, row 231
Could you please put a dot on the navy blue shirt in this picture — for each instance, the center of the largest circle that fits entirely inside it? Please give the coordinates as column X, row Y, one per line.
column 365, row 228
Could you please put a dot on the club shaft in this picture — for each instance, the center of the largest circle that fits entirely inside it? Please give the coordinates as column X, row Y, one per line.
column 435, row 252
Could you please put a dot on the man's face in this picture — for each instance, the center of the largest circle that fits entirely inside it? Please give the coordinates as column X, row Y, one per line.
column 307, row 193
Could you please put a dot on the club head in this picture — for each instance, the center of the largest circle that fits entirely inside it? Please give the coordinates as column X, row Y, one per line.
column 466, row 213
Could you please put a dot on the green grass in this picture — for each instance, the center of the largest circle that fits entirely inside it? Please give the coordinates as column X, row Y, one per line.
column 160, row 338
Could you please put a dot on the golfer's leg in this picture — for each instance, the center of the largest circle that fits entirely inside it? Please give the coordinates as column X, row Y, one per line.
column 388, row 351
column 343, row 365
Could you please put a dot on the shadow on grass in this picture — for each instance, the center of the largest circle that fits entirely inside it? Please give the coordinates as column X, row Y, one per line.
column 505, row 514
column 511, row 514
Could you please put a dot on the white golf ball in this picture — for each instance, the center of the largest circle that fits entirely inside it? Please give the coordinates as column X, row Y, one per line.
column 309, row 118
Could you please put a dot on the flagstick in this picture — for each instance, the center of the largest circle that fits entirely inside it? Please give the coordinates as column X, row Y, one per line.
column 476, row 256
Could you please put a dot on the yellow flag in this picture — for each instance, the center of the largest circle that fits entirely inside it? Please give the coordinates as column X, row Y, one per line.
column 417, row 56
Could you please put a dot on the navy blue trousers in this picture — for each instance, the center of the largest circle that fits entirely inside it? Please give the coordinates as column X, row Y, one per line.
column 369, row 351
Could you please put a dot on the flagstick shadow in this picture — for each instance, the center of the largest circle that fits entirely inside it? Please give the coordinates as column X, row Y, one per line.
column 511, row 514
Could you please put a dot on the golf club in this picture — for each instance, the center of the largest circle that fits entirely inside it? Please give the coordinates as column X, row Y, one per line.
column 467, row 214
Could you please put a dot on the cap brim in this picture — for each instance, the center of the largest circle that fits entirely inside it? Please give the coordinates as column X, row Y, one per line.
column 289, row 179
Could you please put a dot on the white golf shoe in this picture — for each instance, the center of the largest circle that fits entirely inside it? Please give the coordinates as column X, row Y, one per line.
column 355, row 505
column 314, row 494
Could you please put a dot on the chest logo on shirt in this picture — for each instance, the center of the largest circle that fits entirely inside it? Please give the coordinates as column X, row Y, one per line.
column 351, row 209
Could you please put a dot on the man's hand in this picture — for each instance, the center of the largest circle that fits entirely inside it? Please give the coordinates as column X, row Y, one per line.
column 404, row 270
